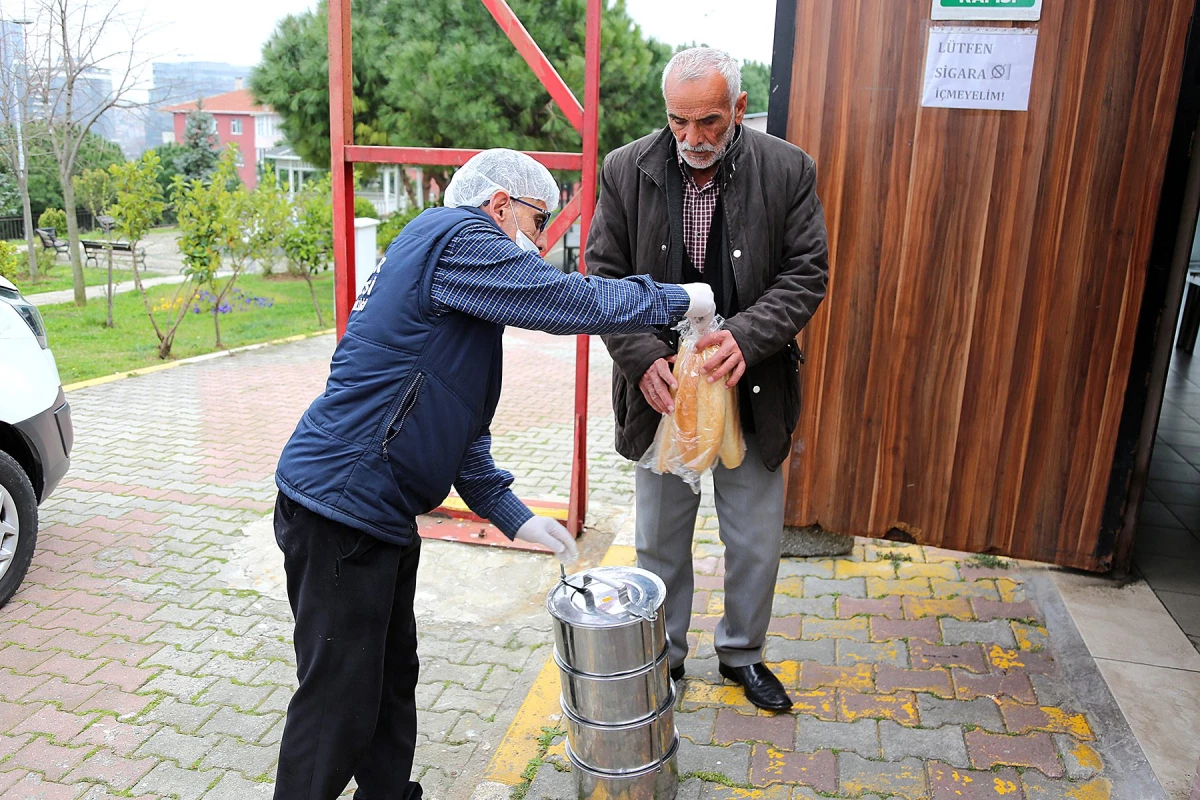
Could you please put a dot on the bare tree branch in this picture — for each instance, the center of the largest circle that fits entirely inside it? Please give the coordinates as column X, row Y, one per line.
column 16, row 135
column 75, row 54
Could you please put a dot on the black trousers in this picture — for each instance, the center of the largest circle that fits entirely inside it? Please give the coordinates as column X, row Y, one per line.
column 355, row 712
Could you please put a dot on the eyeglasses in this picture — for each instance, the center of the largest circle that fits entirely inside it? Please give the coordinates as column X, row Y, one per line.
column 541, row 220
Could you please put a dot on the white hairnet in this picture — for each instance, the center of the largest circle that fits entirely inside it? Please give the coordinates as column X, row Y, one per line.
column 495, row 170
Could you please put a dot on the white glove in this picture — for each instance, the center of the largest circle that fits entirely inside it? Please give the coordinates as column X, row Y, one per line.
column 703, row 302
column 548, row 533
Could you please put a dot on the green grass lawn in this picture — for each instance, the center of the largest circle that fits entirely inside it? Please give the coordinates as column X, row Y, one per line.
column 84, row 348
column 60, row 278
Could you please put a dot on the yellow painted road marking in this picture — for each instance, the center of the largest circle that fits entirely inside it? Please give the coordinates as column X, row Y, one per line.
column 540, row 707
column 520, row 742
column 619, row 555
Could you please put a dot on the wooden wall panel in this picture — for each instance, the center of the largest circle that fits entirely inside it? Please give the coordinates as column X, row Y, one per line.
column 966, row 373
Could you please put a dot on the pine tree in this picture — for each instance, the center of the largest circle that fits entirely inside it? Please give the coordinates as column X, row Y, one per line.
column 441, row 73
column 201, row 155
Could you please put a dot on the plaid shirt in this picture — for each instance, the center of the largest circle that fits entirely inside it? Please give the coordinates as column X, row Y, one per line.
column 484, row 274
column 699, row 205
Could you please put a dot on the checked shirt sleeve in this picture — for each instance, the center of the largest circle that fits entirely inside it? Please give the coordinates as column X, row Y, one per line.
column 483, row 273
column 485, row 488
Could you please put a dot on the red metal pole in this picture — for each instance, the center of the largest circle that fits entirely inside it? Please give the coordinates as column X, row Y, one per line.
column 537, row 61
column 591, row 154
column 448, row 156
column 565, row 219
column 341, row 134
column 585, row 119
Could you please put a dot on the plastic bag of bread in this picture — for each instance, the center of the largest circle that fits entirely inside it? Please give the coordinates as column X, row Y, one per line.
column 705, row 425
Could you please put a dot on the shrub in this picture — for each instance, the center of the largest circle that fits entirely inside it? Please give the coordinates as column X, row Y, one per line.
column 308, row 243
column 137, row 203
column 10, row 265
column 271, row 215
column 365, row 208
column 47, row 259
column 54, row 218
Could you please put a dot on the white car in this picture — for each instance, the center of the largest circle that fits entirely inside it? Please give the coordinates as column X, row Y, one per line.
column 35, row 432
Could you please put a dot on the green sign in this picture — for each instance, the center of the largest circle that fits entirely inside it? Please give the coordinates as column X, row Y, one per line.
column 988, row 9
column 997, row 4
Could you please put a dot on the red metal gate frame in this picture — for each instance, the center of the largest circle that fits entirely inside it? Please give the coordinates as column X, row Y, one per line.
column 584, row 118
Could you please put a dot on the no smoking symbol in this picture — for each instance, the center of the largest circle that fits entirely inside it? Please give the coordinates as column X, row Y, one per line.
column 1001, row 71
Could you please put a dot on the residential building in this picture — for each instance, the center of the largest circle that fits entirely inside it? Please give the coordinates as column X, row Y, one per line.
column 239, row 120
column 385, row 190
column 181, row 81
column 293, row 171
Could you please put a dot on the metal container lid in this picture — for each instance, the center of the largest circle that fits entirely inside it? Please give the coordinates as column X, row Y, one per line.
column 607, row 597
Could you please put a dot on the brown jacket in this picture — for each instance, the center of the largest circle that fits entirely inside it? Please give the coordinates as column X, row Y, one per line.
column 778, row 256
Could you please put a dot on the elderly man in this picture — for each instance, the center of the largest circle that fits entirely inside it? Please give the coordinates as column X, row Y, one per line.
column 707, row 199
column 405, row 414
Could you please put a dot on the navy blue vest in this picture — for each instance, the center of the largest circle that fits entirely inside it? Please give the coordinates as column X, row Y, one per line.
column 408, row 393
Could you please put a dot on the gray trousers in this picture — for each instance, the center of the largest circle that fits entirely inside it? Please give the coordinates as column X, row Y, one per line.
column 749, row 503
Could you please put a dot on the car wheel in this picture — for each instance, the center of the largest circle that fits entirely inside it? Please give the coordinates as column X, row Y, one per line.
column 18, row 525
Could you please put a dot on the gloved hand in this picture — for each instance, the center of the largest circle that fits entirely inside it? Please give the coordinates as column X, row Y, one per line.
column 703, row 303
column 548, row 533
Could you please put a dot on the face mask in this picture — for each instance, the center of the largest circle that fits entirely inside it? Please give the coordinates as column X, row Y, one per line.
column 526, row 244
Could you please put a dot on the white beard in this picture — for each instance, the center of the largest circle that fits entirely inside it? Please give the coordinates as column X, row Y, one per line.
column 706, row 155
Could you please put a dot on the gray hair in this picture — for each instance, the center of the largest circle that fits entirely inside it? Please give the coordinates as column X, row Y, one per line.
column 697, row 63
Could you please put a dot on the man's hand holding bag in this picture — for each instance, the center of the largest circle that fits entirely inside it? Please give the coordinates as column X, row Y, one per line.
column 703, row 423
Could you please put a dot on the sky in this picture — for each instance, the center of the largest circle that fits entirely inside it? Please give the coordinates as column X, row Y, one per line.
column 202, row 31
column 744, row 28
column 234, row 31
column 206, row 31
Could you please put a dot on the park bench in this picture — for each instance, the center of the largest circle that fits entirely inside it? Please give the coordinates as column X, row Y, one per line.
column 51, row 241
column 94, row 248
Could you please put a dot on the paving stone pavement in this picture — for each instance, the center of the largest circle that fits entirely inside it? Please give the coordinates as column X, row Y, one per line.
column 916, row 673
column 148, row 653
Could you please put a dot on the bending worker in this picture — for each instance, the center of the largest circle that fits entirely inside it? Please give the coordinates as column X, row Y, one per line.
column 405, row 414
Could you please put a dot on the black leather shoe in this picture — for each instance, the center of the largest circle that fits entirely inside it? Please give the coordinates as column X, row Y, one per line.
column 677, row 673
column 763, row 689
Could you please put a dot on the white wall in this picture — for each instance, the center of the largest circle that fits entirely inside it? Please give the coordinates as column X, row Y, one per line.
column 268, row 131
column 756, row 121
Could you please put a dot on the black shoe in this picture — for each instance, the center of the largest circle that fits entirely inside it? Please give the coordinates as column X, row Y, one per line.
column 677, row 673
column 763, row 689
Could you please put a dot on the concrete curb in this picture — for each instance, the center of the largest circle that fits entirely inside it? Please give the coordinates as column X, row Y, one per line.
column 1129, row 769
column 71, row 387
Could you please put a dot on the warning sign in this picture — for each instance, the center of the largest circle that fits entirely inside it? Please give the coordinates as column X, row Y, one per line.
column 990, row 68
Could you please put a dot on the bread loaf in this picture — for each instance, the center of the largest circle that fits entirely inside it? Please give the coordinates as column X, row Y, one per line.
column 664, row 442
column 703, row 426
column 700, row 409
column 733, row 446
